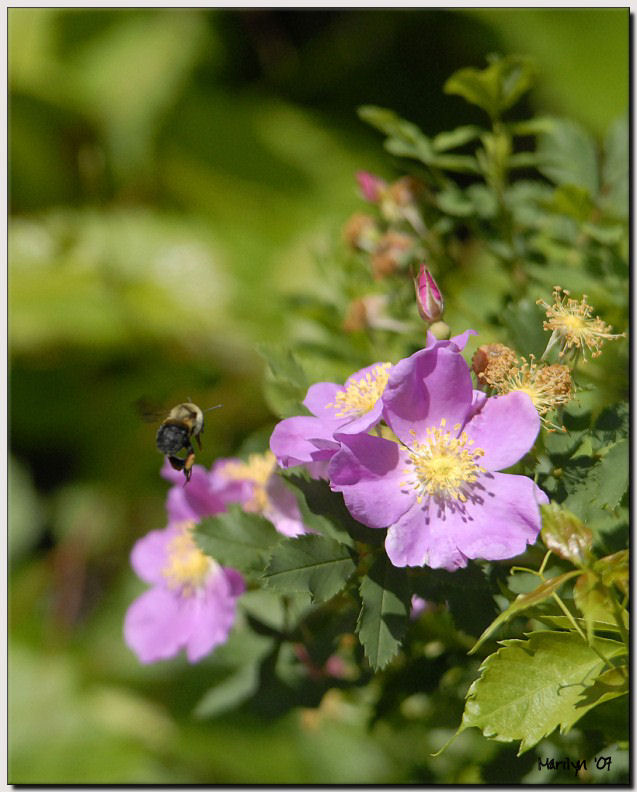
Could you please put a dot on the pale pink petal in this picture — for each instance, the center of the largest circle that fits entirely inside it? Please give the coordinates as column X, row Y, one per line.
column 154, row 627
column 505, row 428
column 369, row 472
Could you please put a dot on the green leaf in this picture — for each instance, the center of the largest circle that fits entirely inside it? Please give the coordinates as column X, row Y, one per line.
column 383, row 619
column 593, row 600
column 568, row 156
column 404, row 138
column 323, row 502
column 524, row 601
column 457, row 163
column 565, row 535
column 615, row 169
column 467, row 591
column 529, row 688
column 495, row 88
column 614, row 570
column 456, row 137
column 611, row 426
column 286, row 383
column 603, row 484
column 609, row 685
column 229, row 693
column 316, row 564
column 237, row 539
column 572, row 200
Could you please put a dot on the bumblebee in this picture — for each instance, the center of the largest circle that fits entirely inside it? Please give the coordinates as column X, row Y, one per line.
column 175, row 434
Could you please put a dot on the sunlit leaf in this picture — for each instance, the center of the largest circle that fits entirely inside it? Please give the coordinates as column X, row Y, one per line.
column 528, row 688
column 316, row 564
column 237, row 539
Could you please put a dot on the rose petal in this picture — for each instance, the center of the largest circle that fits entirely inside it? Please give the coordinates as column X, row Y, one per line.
column 421, row 537
column 319, row 396
column 209, row 617
column 505, row 428
column 291, row 441
column 504, row 520
column 432, row 384
column 497, row 522
column 149, row 555
column 368, row 471
column 283, row 508
column 154, row 627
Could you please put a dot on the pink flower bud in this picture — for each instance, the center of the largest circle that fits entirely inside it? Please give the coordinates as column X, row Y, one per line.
column 371, row 186
column 428, row 296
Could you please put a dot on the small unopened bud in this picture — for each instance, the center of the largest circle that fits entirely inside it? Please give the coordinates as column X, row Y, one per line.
column 372, row 187
column 428, row 296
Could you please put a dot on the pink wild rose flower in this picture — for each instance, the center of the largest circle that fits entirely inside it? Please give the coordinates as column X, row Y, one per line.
column 438, row 489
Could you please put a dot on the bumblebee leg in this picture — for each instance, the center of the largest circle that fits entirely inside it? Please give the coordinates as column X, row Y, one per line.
column 189, row 461
column 176, row 463
column 198, row 438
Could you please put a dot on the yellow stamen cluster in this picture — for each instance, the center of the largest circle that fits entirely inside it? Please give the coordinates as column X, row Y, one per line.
column 443, row 466
column 573, row 325
column 361, row 395
column 257, row 470
column 187, row 567
column 548, row 386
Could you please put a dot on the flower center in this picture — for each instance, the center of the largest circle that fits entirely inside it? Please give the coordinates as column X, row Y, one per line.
column 257, row 470
column 187, row 567
column 444, row 464
column 361, row 395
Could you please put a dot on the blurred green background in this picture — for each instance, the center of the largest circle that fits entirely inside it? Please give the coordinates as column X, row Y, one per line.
column 172, row 172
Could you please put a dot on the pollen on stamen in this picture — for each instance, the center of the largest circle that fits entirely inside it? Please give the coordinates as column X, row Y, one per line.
column 361, row 395
column 444, row 465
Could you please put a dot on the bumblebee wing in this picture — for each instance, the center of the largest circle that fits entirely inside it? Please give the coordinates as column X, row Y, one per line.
column 148, row 411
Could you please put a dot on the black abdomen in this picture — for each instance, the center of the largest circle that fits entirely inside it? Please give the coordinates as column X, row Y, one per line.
column 171, row 438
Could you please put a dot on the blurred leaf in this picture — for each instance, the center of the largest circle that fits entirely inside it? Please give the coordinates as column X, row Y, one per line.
column 574, row 201
column 230, row 693
column 457, row 163
column 382, row 622
column 529, row 688
column 616, row 169
column 568, row 156
column 237, row 539
column 565, row 535
column 495, row 88
column 316, row 564
column 456, row 137
column 404, row 138
column 26, row 515
column 286, row 383
column 523, row 320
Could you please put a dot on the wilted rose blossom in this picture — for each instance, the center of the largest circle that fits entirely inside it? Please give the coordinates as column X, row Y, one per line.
column 438, row 490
